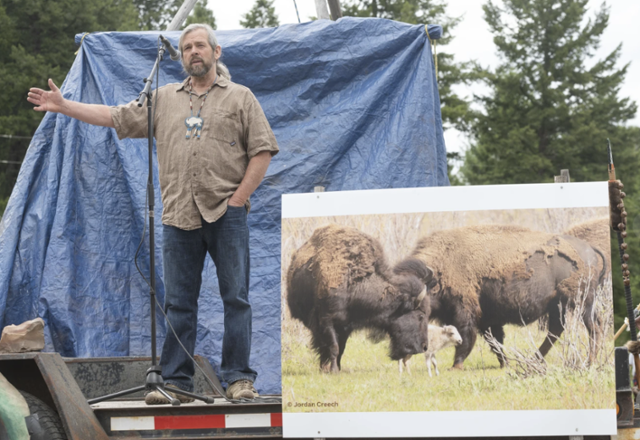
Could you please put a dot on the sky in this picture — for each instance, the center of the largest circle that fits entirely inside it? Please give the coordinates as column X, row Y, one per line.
column 473, row 41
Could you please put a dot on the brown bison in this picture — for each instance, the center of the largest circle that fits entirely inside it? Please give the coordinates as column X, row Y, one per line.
column 339, row 281
column 487, row 276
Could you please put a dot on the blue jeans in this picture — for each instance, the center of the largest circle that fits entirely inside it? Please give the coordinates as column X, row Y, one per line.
column 184, row 253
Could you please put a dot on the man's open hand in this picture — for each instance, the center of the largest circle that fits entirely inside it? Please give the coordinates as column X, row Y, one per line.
column 47, row 101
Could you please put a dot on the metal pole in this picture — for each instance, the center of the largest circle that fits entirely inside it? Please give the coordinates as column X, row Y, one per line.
column 152, row 241
column 181, row 15
column 297, row 13
column 322, row 10
column 334, row 7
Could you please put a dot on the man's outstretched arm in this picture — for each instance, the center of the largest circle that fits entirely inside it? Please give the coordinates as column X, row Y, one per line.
column 53, row 101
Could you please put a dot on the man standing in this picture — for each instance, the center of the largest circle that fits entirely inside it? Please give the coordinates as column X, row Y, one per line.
column 214, row 145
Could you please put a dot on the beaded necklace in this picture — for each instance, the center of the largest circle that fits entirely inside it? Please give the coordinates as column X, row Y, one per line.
column 196, row 121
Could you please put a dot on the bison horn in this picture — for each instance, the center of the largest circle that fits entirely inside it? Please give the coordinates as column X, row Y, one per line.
column 422, row 295
column 430, row 281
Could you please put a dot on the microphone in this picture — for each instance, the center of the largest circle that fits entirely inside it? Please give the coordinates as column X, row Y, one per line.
column 174, row 54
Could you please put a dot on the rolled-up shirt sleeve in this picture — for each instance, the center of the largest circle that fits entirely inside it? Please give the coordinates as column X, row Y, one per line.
column 257, row 131
column 130, row 120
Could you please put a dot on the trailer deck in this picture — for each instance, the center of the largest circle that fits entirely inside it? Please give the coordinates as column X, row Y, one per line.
column 66, row 385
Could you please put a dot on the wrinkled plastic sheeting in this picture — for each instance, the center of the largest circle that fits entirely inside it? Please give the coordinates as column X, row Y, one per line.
column 353, row 103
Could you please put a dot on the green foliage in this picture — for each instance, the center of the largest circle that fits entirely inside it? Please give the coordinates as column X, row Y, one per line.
column 263, row 14
column 155, row 14
column 201, row 14
column 3, row 205
column 407, row 11
column 454, row 159
column 36, row 43
column 551, row 105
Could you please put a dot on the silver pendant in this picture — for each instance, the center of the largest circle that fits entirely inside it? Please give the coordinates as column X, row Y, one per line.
column 193, row 122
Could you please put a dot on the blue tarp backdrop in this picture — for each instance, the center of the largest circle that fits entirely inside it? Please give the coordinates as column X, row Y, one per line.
column 353, row 103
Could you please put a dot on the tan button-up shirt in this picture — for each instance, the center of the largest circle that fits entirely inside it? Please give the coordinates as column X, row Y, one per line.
column 198, row 176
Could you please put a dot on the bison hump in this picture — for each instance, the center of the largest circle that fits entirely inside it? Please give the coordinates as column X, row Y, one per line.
column 340, row 256
column 463, row 257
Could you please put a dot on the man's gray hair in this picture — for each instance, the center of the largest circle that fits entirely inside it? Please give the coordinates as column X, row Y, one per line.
column 221, row 69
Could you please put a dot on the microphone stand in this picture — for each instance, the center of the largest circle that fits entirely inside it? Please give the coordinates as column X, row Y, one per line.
column 153, row 381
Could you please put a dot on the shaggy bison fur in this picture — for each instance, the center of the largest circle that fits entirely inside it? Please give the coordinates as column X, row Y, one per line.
column 487, row 276
column 339, row 281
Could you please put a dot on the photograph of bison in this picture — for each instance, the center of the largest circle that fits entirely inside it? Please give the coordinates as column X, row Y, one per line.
column 529, row 282
column 491, row 275
column 504, row 291
column 339, row 281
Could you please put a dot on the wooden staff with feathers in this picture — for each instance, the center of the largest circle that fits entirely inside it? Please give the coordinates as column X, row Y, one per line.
column 618, row 221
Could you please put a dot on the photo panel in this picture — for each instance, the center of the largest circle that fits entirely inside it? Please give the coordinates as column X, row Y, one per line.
column 507, row 288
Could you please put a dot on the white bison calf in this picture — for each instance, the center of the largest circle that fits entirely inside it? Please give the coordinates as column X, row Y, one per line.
column 439, row 338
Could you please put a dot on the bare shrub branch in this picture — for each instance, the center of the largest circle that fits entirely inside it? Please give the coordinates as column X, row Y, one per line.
column 519, row 364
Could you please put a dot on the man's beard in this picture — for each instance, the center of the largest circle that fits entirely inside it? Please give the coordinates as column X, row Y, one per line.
column 199, row 69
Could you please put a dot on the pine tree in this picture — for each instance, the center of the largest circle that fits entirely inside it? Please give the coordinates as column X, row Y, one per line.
column 408, row 11
column 155, row 14
column 261, row 15
column 36, row 43
column 201, row 14
column 551, row 105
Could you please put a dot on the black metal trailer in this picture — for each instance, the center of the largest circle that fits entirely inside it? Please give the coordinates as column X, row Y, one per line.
column 65, row 385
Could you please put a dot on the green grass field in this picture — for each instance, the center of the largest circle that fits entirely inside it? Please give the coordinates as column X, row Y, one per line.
column 370, row 381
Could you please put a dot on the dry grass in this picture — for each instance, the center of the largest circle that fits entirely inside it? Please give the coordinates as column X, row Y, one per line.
column 370, row 381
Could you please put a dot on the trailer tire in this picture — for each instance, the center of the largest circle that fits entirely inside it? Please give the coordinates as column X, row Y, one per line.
column 50, row 424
